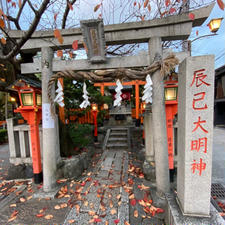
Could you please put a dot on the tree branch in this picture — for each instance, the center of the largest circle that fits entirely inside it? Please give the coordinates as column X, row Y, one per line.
column 66, row 13
column 15, row 50
column 31, row 6
column 20, row 10
column 15, row 21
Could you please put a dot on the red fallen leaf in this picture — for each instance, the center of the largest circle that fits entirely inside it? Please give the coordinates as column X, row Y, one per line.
column 153, row 213
column 116, row 221
column 159, row 210
column 96, row 220
column 167, row 3
column 191, row 16
column 172, row 10
column 133, row 202
column 135, row 3
column 39, row 215
column 96, row 183
column 75, row 45
column 83, row 183
column 130, row 181
column 221, row 4
column 89, row 179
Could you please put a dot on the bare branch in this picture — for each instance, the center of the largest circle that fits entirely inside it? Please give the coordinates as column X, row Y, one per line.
column 66, row 13
column 28, row 33
column 31, row 6
column 20, row 10
column 15, row 21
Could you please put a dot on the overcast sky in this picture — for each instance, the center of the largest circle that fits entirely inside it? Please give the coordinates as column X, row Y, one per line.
column 210, row 45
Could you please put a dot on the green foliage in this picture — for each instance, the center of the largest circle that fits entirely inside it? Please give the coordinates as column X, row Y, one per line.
column 80, row 134
column 3, row 135
column 73, row 94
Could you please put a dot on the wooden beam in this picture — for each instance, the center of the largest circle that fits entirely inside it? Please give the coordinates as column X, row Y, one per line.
column 176, row 27
column 83, row 64
column 140, row 82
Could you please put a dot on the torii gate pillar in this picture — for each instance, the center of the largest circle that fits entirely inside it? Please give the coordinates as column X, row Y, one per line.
column 49, row 125
column 159, row 122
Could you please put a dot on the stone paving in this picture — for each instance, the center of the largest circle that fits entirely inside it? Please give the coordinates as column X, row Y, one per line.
column 115, row 193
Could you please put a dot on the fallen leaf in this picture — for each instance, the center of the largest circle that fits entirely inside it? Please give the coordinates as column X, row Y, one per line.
column 135, row 213
column 13, row 205
column 110, row 203
column 106, row 222
column 60, row 40
column 167, row 3
column 71, row 221
column 57, row 207
column 63, row 205
column 48, row 217
column 133, row 202
column 172, row 10
column 91, row 213
column 131, row 196
column 113, row 211
column 12, row 218
column 96, row 220
column 29, row 197
column 126, row 223
column 159, row 210
column 22, row 199
column 116, row 221
column 86, row 203
column 77, row 208
column 118, row 196
column 39, row 215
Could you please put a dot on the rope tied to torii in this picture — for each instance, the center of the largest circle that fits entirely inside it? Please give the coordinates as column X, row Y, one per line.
column 164, row 65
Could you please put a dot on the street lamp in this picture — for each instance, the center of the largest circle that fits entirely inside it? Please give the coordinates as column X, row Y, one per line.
column 31, row 110
column 94, row 111
column 214, row 24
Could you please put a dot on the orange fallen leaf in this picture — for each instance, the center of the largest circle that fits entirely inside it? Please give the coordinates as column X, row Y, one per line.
column 2, row 23
column 106, row 222
column 13, row 205
column 57, row 207
column 63, row 205
column 39, row 215
column 110, row 203
column 77, row 208
column 85, row 203
column 131, row 196
column 113, row 211
column 91, row 213
column 48, row 217
column 126, row 223
column 29, row 197
column 118, row 196
column 22, row 199
column 135, row 213
column 71, row 221
column 221, row 4
column 12, row 218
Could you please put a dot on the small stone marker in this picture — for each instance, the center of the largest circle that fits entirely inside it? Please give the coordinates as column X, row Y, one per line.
column 195, row 134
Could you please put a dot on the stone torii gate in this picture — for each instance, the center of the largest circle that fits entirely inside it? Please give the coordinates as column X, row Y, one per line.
column 153, row 32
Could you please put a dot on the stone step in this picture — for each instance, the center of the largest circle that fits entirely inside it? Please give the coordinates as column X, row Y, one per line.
column 118, row 133
column 118, row 128
column 117, row 145
column 121, row 139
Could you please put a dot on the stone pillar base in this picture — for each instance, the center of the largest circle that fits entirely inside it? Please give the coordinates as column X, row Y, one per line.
column 174, row 215
column 149, row 171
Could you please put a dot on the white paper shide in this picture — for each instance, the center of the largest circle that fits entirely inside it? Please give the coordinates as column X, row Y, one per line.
column 86, row 102
column 118, row 98
column 59, row 97
column 147, row 97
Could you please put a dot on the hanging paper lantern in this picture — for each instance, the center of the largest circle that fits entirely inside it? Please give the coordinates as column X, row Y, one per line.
column 147, row 97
